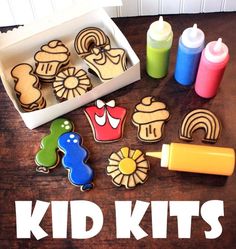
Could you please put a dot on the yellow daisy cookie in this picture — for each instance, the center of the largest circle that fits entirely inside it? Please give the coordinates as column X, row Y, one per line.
column 128, row 167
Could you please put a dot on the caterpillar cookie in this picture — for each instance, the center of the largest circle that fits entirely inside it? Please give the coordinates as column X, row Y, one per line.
column 50, row 59
column 27, row 88
column 200, row 119
column 107, row 120
column 70, row 83
column 106, row 62
column 74, row 160
column 89, row 38
column 47, row 157
column 150, row 116
column 128, row 167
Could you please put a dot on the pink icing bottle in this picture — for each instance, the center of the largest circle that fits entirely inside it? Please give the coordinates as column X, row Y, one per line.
column 212, row 65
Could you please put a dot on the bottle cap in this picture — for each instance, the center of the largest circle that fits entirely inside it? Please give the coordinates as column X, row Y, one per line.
column 193, row 37
column 160, row 30
column 216, row 51
column 165, row 155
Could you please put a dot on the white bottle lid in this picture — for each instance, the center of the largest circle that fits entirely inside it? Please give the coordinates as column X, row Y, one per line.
column 216, row 51
column 160, row 30
column 193, row 37
column 165, row 152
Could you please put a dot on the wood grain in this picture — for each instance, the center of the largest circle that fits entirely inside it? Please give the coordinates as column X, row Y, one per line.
column 20, row 181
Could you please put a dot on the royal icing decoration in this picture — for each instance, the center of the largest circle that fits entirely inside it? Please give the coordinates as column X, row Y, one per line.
column 47, row 157
column 128, row 167
column 27, row 88
column 50, row 59
column 107, row 120
column 150, row 116
column 89, row 38
column 107, row 62
column 201, row 119
column 74, row 160
column 70, row 83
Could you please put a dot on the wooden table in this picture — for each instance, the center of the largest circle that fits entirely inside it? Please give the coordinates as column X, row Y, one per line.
column 20, row 181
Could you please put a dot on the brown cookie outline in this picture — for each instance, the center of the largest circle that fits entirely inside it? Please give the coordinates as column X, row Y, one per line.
column 139, row 174
column 49, row 78
column 89, row 38
column 80, row 77
column 38, row 103
column 99, row 58
column 189, row 126
column 149, row 130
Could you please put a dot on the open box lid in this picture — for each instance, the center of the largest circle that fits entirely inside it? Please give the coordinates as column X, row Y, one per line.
column 58, row 17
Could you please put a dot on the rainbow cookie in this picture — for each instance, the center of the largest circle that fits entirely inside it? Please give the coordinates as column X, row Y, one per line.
column 107, row 121
column 74, row 160
column 89, row 38
column 70, row 83
column 106, row 62
column 128, row 167
column 200, row 119
column 27, row 88
column 47, row 157
column 50, row 59
column 150, row 116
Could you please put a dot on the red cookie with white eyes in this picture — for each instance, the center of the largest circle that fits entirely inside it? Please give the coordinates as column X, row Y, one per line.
column 107, row 121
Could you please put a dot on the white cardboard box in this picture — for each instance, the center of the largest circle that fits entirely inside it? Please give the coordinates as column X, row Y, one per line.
column 21, row 44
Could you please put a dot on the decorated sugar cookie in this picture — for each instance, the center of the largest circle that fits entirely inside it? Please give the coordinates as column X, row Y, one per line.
column 150, row 116
column 70, row 83
column 74, row 160
column 107, row 120
column 128, row 167
column 200, row 119
column 106, row 62
column 47, row 157
column 89, row 38
column 27, row 88
column 50, row 59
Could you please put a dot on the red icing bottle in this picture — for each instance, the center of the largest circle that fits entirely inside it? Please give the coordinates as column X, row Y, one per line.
column 212, row 65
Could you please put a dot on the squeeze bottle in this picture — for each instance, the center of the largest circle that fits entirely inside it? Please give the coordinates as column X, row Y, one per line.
column 196, row 158
column 159, row 42
column 213, row 62
column 191, row 44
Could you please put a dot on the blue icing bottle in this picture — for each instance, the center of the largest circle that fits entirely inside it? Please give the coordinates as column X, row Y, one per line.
column 74, row 160
column 191, row 44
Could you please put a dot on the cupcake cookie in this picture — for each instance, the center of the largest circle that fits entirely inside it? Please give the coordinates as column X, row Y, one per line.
column 50, row 59
column 70, row 83
column 150, row 116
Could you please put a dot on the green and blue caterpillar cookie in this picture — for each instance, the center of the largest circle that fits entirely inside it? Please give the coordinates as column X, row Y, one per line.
column 47, row 157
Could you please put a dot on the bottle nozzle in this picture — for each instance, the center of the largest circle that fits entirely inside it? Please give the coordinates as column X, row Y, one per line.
column 154, row 154
column 193, row 33
column 218, row 45
column 160, row 25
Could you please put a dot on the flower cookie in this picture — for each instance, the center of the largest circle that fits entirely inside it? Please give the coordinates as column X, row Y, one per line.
column 74, row 160
column 106, row 62
column 200, row 119
column 70, row 83
column 89, row 38
column 27, row 88
column 50, row 59
column 150, row 116
column 128, row 167
column 48, row 157
column 107, row 121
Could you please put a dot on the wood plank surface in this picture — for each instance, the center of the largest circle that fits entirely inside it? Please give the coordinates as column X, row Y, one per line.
column 18, row 146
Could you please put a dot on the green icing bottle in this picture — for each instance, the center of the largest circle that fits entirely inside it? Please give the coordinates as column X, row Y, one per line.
column 159, row 42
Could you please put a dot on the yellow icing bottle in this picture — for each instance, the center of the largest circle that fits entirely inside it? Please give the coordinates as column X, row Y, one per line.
column 196, row 158
column 159, row 42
